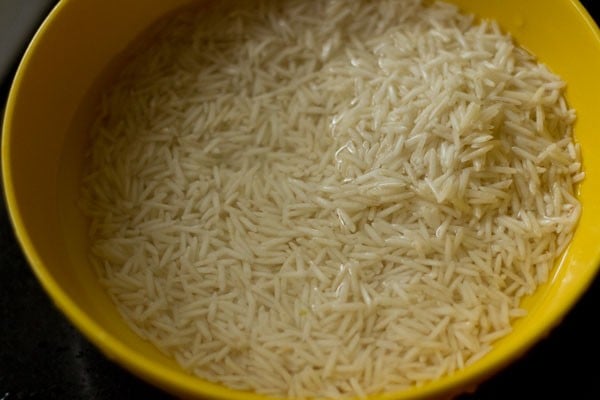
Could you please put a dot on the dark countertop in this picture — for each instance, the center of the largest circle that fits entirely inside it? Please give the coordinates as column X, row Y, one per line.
column 42, row 356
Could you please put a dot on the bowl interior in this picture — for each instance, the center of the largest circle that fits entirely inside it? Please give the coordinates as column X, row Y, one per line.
column 51, row 104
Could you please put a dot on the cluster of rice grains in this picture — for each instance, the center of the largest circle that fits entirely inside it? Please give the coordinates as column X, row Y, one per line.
column 310, row 198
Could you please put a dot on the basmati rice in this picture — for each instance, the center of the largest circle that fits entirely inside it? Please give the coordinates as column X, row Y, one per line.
column 336, row 198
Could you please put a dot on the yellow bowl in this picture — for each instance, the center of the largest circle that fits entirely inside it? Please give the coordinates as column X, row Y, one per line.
column 42, row 157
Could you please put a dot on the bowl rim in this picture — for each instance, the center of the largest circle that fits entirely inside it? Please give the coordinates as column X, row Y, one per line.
column 180, row 382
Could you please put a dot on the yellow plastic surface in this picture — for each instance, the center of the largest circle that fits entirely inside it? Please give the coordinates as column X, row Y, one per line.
column 43, row 143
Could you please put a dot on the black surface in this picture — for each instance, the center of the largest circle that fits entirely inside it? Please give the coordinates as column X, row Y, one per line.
column 18, row 19
column 42, row 356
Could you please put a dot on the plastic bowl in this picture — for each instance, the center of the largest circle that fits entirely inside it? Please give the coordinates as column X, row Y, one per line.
column 42, row 157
